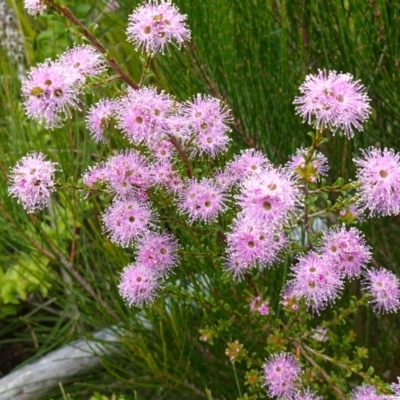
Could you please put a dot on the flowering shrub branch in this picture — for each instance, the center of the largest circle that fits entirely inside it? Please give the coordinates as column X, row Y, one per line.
column 262, row 214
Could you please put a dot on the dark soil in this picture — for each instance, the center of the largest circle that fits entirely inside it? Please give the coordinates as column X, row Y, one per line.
column 11, row 355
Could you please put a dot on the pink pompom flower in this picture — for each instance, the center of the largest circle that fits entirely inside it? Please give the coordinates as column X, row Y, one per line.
column 35, row 7
column 384, row 287
column 32, row 181
column 50, row 90
column 281, row 375
column 138, row 285
column 100, row 118
column 202, row 200
column 378, row 174
column 126, row 220
column 83, row 60
column 315, row 281
column 366, row 392
column 154, row 24
column 346, row 250
column 157, row 251
column 334, row 101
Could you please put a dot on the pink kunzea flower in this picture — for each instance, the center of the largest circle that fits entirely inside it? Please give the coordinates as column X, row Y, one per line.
column 95, row 174
column 224, row 179
column 313, row 170
column 366, row 392
column 83, row 60
column 259, row 305
column 346, row 250
column 178, row 125
column 252, row 243
column 126, row 220
column 35, row 7
column 157, row 251
column 100, row 117
column 249, row 162
column 334, row 101
column 315, row 280
column 208, row 118
column 163, row 174
column 384, row 287
column 396, row 389
column 50, row 90
column 202, row 200
column 305, row 394
column 142, row 115
column 281, row 375
column 32, row 181
column 378, row 174
column 154, row 24
column 270, row 196
column 162, row 150
column 127, row 173
column 138, row 285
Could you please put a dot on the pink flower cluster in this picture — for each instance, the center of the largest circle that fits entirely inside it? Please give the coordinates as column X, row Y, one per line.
column 155, row 24
column 149, row 118
column 267, row 198
column 259, row 305
column 155, row 256
column 35, row 7
column 334, row 101
column 32, row 181
column 378, row 176
column 52, row 88
column 281, row 375
column 318, row 277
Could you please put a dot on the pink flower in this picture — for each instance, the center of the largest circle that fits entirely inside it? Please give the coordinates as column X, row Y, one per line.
column 35, row 7
column 32, row 181
column 208, row 118
column 346, row 250
column 384, row 287
column 138, row 285
column 127, row 173
column 259, row 305
column 143, row 115
column 378, row 173
column 50, row 91
column 281, row 375
column 315, row 280
column 202, row 200
column 305, row 394
column 270, row 196
column 252, row 243
column 249, row 162
column 157, row 251
column 366, row 392
column 334, row 101
column 126, row 220
column 83, row 60
column 155, row 24
column 100, row 117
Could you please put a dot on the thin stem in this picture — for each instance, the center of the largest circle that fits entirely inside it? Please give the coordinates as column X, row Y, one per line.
column 323, row 373
column 145, row 68
column 95, row 42
column 237, row 380
column 183, row 154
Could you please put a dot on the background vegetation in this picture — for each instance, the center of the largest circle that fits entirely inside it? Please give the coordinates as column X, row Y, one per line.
column 254, row 54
